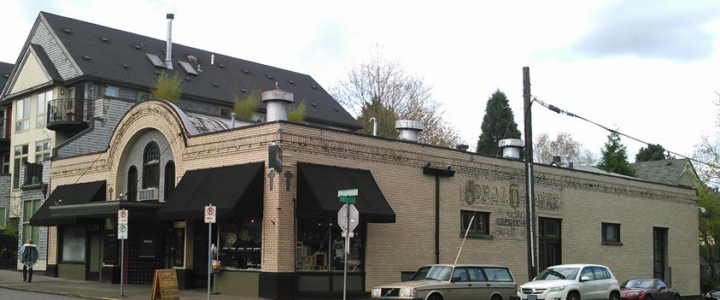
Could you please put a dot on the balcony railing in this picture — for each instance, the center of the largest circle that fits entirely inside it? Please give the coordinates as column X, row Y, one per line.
column 33, row 174
column 69, row 114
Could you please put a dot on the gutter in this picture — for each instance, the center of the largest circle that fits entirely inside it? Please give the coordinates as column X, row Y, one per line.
column 437, row 172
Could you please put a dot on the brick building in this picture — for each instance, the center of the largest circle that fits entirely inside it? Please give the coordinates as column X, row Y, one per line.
column 276, row 234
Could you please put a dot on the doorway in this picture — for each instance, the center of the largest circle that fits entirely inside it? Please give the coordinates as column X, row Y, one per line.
column 660, row 236
column 550, row 242
column 94, row 256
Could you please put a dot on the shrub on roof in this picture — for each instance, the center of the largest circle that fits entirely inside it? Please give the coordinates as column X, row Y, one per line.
column 245, row 109
column 167, row 87
column 297, row 114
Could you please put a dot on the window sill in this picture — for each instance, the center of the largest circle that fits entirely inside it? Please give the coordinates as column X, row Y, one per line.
column 608, row 243
column 477, row 236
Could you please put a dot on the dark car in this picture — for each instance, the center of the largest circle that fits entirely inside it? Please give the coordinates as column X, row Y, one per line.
column 647, row 289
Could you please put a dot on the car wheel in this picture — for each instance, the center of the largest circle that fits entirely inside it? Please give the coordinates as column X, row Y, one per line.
column 497, row 297
column 648, row 297
column 614, row 296
column 435, row 297
column 573, row 296
column 677, row 297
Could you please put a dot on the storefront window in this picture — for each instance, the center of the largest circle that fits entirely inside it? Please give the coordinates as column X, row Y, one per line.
column 240, row 243
column 73, row 244
column 320, row 246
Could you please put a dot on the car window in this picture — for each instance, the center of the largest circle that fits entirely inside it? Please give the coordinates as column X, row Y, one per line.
column 607, row 273
column 498, row 274
column 558, row 274
column 420, row 274
column 441, row 273
column 588, row 271
column 460, row 275
column 476, row 274
column 598, row 273
column 660, row 283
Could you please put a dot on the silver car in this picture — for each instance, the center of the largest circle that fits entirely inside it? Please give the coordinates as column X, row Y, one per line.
column 452, row 282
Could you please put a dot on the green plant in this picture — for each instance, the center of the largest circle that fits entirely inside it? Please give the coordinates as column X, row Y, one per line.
column 167, row 87
column 297, row 113
column 245, row 109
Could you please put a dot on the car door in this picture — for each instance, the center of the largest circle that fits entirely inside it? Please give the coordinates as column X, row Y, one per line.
column 480, row 289
column 586, row 287
column 499, row 280
column 602, row 283
column 461, row 286
column 663, row 293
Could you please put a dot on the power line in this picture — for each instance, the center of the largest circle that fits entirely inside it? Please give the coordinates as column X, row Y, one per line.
column 561, row 111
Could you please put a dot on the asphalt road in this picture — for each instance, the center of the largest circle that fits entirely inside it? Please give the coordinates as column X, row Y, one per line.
column 18, row 295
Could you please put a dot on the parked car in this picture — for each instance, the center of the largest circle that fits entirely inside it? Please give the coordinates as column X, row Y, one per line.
column 452, row 282
column 713, row 294
column 647, row 289
column 572, row 282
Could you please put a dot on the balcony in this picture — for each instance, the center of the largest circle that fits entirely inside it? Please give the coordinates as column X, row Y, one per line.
column 68, row 115
column 33, row 174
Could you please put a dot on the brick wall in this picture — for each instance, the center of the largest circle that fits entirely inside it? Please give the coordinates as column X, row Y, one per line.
column 582, row 200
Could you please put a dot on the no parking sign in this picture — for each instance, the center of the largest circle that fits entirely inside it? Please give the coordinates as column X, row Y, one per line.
column 210, row 214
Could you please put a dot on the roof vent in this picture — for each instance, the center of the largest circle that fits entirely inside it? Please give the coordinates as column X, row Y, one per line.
column 104, row 39
column 68, row 31
column 246, row 71
column 409, row 129
column 125, row 66
column 462, row 147
column 138, row 47
column 277, row 101
column 243, row 90
column 192, row 59
column 511, row 147
column 221, row 65
column 86, row 57
column 291, row 82
column 215, row 83
column 314, row 104
column 269, row 76
column 314, row 87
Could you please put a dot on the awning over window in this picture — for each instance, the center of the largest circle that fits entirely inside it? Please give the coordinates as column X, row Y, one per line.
column 318, row 187
column 235, row 190
column 68, row 196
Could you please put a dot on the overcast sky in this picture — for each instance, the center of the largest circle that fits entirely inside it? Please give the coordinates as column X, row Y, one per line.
column 648, row 67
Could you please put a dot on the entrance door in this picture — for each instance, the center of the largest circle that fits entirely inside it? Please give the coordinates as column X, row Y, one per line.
column 94, row 256
column 200, row 252
column 550, row 242
column 659, row 252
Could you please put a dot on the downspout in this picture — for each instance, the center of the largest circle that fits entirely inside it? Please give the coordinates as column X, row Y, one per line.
column 437, row 172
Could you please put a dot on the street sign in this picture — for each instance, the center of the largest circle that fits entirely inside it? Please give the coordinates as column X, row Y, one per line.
column 343, row 217
column 348, row 196
column 122, row 216
column 210, row 214
column 122, row 231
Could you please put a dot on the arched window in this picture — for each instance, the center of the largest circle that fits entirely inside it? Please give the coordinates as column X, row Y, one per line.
column 132, row 184
column 169, row 179
column 151, row 166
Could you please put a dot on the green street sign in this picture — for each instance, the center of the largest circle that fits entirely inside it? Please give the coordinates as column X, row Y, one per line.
column 347, row 196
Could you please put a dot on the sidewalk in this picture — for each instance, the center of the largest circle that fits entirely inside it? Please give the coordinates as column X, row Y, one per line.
column 94, row 290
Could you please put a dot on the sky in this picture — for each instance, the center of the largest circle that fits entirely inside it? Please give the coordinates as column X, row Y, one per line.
column 650, row 68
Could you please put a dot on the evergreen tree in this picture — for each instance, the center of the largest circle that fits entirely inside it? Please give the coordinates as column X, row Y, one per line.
column 651, row 153
column 384, row 116
column 498, row 123
column 614, row 157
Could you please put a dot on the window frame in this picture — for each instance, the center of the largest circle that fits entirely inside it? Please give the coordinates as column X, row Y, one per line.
column 19, row 161
column 228, row 111
column 169, row 177
column 151, row 166
column 45, row 151
column 3, row 217
column 40, row 116
column 475, row 230
column 114, row 88
column 22, row 114
column 34, row 230
column 604, row 233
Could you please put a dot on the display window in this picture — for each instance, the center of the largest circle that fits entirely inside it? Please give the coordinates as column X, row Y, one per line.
column 319, row 247
column 240, row 243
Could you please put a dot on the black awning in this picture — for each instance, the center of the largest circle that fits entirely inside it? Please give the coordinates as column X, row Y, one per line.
column 234, row 190
column 68, row 195
column 318, row 188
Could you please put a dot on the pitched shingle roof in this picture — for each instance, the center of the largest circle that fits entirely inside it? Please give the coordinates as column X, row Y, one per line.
column 118, row 56
column 46, row 62
column 666, row 171
column 5, row 70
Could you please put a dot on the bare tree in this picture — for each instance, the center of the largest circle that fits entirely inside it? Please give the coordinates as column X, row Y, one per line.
column 407, row 96
column 564, row 146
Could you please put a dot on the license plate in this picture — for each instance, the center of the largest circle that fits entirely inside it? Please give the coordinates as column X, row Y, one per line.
column 532, row 297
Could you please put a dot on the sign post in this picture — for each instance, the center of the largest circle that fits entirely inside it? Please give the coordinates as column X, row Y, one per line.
column 123, row 216
column 210, row 218
column 348, row 218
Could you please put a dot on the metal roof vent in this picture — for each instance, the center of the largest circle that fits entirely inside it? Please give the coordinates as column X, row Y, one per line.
column 409, row 129
column 277, row 101
column 168, row 52
column 511, row 147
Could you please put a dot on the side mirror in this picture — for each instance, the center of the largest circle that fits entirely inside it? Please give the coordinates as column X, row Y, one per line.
column 662, row 288
column 584, row 278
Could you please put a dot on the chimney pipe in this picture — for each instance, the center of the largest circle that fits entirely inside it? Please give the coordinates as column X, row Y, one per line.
column 409, row 129
column 168, row 51
column 232, row 120
column 374, row 121
column 511, row 147
column 277, row 101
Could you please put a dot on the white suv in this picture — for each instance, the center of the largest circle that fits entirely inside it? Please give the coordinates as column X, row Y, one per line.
column 572, row 282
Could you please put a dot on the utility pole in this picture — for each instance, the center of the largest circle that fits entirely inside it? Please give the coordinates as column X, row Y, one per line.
column 529, row 200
